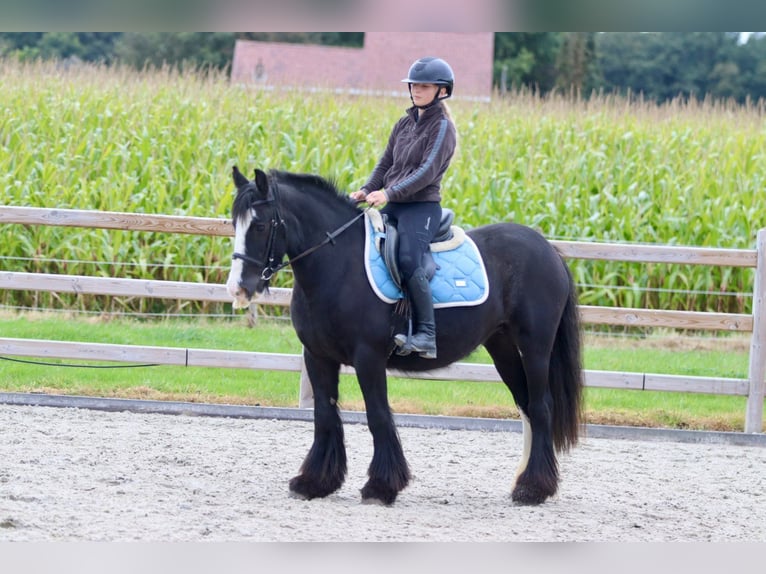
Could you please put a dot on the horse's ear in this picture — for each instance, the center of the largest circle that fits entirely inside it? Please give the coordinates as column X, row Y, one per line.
column 261, row 180
column 239, row 179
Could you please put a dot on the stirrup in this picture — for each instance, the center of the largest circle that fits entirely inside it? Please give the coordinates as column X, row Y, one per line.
column 403, row 341
column 403, row 344
column 405, row 347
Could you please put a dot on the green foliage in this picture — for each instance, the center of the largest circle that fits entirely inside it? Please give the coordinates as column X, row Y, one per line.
column 681, row 64
column 526, row 59
column 84, row 46
column 164, row 142
column 577, row 64
column 184, row 49
column 156, row 49
column 660, row 66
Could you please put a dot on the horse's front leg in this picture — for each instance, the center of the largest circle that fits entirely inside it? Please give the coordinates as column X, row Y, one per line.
column 324, row 468
column 388, row 472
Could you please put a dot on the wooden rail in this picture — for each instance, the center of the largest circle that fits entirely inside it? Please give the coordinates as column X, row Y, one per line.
column 593, row 315
column 115, row 220
column 121, row 287
column 753, row 387
column 473, row 372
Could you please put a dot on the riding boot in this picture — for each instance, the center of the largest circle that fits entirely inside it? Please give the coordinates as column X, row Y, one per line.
column 423, row 340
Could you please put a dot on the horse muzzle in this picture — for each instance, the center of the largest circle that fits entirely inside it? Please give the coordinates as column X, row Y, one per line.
column 241, row 297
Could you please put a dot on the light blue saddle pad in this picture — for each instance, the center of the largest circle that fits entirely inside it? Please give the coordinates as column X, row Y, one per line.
column 460, row 279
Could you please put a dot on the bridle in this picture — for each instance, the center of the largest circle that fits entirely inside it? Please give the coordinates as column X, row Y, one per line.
column 277, row 222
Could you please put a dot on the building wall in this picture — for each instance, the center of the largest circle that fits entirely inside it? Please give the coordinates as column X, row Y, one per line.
column 377, row 67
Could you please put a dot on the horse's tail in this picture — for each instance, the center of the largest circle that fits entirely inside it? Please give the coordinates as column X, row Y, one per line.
column 566, row 376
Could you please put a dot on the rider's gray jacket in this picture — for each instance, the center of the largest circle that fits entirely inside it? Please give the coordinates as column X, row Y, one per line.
column 418, row 153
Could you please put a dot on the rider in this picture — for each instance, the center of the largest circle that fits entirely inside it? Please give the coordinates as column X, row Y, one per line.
column 407, row 180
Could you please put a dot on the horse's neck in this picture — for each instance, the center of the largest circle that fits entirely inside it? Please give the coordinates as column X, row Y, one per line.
column 309, row 222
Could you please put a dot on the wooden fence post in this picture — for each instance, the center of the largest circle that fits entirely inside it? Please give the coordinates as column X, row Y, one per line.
column 252, row 315
column 754, row 410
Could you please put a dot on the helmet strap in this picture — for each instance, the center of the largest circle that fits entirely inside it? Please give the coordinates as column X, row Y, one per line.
column 433, row 102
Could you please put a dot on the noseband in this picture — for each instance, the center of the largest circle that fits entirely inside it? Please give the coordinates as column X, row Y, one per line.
column 278, row 222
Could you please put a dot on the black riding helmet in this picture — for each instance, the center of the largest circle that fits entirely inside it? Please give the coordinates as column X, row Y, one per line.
column 430, row 70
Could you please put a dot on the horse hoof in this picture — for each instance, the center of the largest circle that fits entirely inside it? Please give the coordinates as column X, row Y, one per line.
column 296, row 495
column 376, row 493
column 300, row 488
column 528, row 496
column 305, row 489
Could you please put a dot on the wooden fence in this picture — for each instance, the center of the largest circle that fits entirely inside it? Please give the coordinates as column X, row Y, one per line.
column 755, row 323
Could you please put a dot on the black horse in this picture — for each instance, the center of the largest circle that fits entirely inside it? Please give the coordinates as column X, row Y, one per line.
column 529, row 324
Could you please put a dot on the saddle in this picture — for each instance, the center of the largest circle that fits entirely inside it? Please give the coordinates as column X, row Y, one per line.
column 389, row 246
column 453, row 263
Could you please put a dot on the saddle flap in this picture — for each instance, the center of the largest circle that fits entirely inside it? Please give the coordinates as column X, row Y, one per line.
column 461, row 279
column 390, row 248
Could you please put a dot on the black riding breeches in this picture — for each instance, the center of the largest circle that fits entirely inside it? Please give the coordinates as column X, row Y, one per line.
column 417, row 223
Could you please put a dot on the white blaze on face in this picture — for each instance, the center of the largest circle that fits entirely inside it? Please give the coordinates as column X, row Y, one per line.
column 241, row 299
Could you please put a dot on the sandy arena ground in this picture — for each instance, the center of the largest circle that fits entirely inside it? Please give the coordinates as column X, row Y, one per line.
column 80, row 475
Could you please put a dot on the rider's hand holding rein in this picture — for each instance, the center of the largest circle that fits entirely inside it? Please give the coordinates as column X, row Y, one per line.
column 374, row 198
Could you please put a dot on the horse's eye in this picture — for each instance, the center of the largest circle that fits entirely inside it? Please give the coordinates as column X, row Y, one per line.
column 260, row 226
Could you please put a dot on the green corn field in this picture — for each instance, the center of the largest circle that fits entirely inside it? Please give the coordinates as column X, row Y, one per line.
column 604, row 169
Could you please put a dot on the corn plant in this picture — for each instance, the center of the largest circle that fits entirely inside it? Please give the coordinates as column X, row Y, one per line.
column 162, row 141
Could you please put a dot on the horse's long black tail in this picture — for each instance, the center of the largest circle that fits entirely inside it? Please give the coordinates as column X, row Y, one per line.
column 566, row 376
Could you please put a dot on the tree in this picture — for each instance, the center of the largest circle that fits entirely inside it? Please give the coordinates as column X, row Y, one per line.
column 86, row 46
column 751, row 60
column 576, row 64
column 197, row 49
column 525, row 59
column 662, row 66
column 725, row 81
column 213, row 50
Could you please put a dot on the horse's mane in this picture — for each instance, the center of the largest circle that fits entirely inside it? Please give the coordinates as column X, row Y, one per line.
column 311, row 184
column 326, row 187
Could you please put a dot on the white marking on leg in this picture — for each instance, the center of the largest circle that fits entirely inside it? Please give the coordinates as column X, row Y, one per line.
column 527, row 435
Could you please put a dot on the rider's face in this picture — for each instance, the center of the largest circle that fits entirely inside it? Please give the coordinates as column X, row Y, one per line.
column 423, row 94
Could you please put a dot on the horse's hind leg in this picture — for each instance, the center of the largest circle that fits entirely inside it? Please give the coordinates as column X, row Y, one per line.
column 525, row 373
column 324, row 468
column 388, row 472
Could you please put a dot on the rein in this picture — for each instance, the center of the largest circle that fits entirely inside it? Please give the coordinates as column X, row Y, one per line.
column 276, row 222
